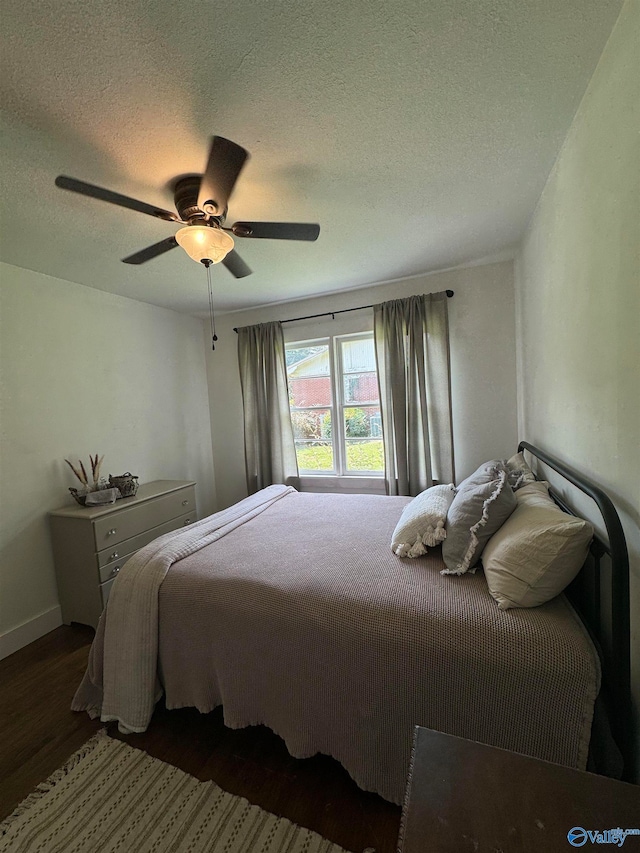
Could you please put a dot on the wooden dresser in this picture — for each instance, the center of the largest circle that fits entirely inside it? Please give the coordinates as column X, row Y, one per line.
column 91, row 544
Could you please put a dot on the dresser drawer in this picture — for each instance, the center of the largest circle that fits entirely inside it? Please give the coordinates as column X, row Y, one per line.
column 127, row 523
column 122, row 550
column 110, row 570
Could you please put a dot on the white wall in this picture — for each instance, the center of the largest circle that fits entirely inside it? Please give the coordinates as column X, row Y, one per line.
column 578, row 297
column 83, row 371
column 482, row 330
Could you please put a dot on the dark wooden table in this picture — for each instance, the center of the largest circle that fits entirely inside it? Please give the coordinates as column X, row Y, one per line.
column 465, row 796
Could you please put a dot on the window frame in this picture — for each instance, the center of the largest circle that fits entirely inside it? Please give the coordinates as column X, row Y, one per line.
column 316, row 342
column 338, row 405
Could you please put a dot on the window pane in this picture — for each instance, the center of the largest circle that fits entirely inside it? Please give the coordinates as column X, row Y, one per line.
column 361, row 388
column 311, row 424
column 314, row 455
column 313, row 440
column 309, row 376
column 365, row 455
column 362, row 422
column 295, row 355
column 358, row 356
column 310, row 391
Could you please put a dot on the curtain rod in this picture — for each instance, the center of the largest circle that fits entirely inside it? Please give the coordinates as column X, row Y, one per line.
column 333, row 313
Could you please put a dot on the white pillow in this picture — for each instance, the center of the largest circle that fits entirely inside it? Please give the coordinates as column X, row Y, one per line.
column 537, row 552
column 422, row 522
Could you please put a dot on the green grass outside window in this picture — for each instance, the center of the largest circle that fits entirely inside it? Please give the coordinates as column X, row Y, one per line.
column 364, row 456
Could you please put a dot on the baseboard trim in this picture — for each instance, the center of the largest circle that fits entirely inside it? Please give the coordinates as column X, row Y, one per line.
column 17, row 638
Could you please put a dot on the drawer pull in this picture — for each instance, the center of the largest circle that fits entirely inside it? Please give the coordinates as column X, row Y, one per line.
column 186, row 521
column 114, row 571
column 114, row 556
column 111, row 532
column 185, row 503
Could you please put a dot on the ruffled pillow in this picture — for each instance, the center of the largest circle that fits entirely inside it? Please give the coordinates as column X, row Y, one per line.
column 422, row 523
column 483, row 502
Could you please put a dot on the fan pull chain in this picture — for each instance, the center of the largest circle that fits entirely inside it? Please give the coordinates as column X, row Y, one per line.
column 212, row 319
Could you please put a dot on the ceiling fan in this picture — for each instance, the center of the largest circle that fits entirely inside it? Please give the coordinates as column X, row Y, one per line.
column 201, row 203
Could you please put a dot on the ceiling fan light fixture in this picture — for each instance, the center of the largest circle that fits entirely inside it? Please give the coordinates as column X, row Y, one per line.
column 203, row 242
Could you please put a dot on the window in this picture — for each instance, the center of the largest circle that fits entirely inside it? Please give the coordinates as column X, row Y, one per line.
column 335, row 407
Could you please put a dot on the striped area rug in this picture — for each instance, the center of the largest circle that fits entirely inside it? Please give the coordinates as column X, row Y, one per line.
column 110, row 797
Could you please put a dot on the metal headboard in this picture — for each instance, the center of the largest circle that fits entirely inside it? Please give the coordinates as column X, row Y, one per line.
column 605, row 615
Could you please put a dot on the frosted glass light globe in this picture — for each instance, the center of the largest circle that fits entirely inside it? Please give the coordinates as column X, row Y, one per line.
column 202, row 242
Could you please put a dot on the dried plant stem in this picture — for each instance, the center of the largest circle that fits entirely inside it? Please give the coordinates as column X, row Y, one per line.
column 82, row 479
column 95, row 468
column 81, row 472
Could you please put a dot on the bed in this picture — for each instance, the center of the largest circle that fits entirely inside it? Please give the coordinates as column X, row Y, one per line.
column 340, row 646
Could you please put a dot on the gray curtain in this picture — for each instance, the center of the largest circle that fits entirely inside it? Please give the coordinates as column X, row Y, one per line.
column 414, row 375
column 269, row 449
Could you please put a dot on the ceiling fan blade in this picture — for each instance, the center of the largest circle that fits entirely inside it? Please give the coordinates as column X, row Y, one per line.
column 151, row 251
column 276, row 230
column 225, row 163
column 91, row 190
column 236, row 266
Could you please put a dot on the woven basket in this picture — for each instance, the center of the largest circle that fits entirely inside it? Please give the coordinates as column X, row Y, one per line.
column 127, row 483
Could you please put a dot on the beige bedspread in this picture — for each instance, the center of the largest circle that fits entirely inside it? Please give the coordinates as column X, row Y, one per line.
column 304, row 620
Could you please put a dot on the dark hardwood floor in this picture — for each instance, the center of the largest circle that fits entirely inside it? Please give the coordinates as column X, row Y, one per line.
column 38, row 733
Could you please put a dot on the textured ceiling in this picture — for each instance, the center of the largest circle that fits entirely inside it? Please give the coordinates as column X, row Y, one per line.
column 418, row 133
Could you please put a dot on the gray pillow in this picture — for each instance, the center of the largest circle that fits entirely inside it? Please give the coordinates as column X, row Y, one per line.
column 483, row 502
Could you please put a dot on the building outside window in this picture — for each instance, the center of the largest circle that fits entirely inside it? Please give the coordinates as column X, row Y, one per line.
column 335, row 406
